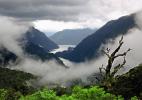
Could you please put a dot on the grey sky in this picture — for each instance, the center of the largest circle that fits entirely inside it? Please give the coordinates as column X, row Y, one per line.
column 42, row 9
column 81, row 13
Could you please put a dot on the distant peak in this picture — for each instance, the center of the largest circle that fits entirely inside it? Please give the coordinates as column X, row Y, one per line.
column 31, row 28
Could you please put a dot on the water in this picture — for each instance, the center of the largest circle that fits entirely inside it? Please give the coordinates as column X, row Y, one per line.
column 62, row 48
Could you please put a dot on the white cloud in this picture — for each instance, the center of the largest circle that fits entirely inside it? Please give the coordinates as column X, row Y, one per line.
column 10, row 31
column 93, row 14
column 54, row 26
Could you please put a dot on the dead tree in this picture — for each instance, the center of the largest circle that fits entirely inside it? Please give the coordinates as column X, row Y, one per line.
column 111, row 58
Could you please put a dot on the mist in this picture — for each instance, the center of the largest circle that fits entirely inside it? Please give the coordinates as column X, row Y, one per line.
column 51, row 72
column 132, row 40
column 10, row 31
column 48, row 71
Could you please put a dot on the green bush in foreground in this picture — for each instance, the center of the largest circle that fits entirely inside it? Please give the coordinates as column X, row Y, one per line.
column 78, row 93
column 9, row 94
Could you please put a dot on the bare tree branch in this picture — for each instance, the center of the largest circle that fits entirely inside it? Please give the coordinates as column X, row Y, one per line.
column 123, row 54
column 112, row 57
column 102, row 68
column 118, row 67
column 106, row 53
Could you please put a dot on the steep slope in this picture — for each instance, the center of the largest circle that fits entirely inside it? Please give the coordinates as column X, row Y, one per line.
column 39, row 38
column 129, row 84
column 35, row 44
column 40, row 53
column 38, row 45
column 32, row 50
column 6, row 57
column 88, row 48
column 15, row 80
column 71, row 36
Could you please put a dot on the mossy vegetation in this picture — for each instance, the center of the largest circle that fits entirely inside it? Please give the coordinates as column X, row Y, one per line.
column 129, row 84
column 15, row 80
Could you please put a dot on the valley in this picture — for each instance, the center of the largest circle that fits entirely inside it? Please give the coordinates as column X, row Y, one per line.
column 70, row 50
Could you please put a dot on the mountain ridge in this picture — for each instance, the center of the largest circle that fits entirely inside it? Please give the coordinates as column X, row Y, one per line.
column 37, row 37
column 71, row 36
column 87, row 48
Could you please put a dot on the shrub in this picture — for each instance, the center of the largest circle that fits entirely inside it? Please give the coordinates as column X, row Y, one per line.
column 78, row 93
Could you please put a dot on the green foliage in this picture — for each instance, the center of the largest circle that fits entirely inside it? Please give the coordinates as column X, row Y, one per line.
column 95, row 93
column 44, row 94
column 9, row 94
column 17, row 80
column 129, row 84
column 78, row 93
column 134, row 98
column 3, row 94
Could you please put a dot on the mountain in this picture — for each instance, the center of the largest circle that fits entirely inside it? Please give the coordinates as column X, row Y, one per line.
column 87, row 49
column 48, row 34
column 38, row 45
column 34, row 44
column 37, row 37
column 40, row 53
column 71, row 36
column 15, row 80
column 6, row 57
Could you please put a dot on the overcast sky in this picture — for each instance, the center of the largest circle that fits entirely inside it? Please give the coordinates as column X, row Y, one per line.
column 56, row 15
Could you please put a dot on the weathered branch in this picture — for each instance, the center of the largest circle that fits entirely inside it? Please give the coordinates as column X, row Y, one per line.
column 102, row 68
column 118, row 67
column 123, row 54
column 112, row 57
column 106, row 53
column 117, row 49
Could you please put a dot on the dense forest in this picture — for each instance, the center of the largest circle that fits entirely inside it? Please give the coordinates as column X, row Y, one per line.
column 127, row 86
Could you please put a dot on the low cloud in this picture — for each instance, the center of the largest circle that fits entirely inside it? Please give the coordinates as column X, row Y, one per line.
column 51, row 72
column 10, row 31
